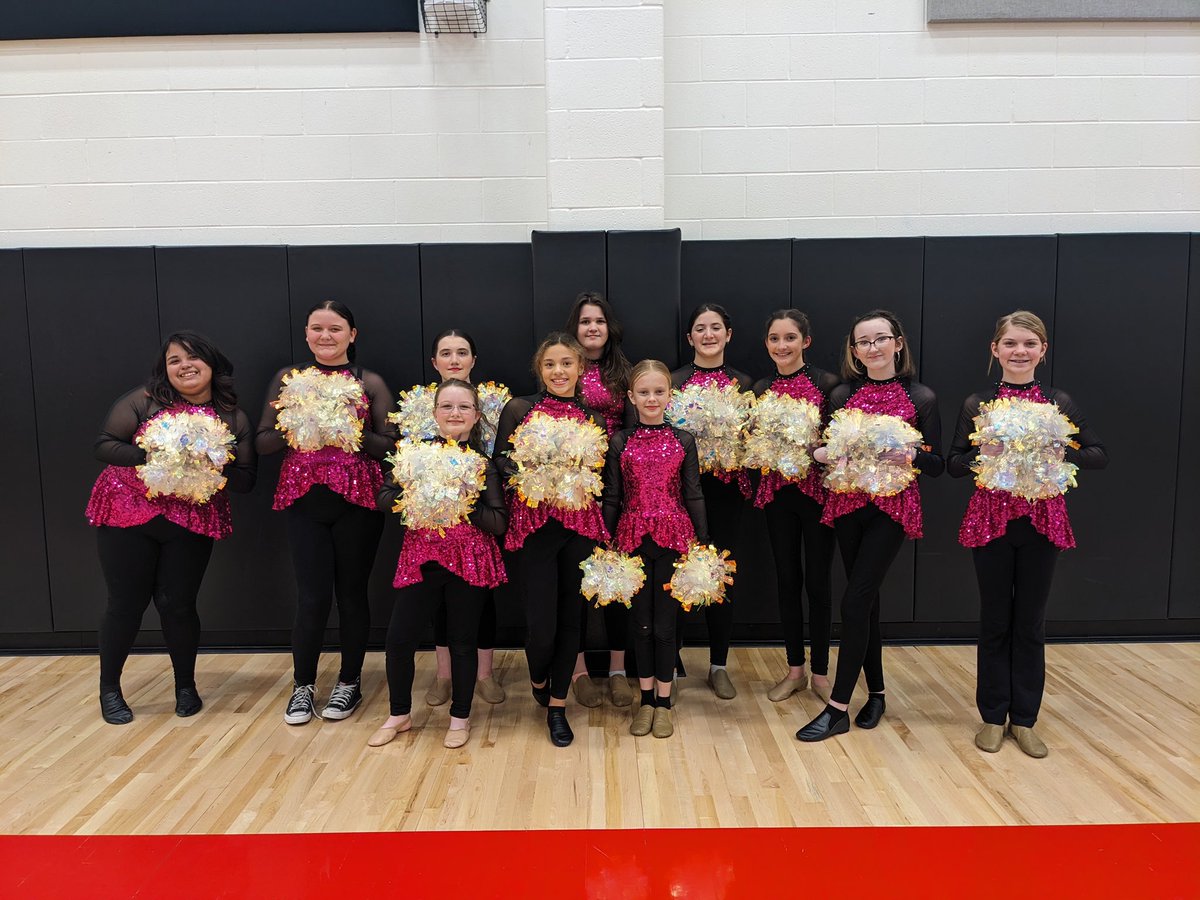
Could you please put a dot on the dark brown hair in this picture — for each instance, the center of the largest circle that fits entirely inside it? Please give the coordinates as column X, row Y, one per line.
column 552, row 339
column 161, row 390
column 613, row 364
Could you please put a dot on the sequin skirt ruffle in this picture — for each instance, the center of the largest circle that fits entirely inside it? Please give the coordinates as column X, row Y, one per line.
column 989, row 512
column 465, row 550
column 903, row 508
column 119, row 499
column 355, row 476
column 524, row 520
column 741, row 478
column 772, row 481
column 671, row 531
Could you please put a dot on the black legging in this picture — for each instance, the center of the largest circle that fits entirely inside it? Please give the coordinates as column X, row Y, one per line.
column 869, row 540
column 803, row 550
column 411, row 609
column 333, row 546
column 161, row 561
column 1014, row 572
column 723, row 505
column 616, row 626
column 549, row 584
column 485, row 640
column 654, row 614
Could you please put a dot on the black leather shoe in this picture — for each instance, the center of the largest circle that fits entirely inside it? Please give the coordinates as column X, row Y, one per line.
column 541, row 694
column 187, row 702
column 824, row 726
column 561, row 734
column 872, row 711
column 114, row 709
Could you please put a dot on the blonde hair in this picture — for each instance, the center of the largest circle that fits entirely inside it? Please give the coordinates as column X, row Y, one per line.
column 649, row 367
column 1021, row 318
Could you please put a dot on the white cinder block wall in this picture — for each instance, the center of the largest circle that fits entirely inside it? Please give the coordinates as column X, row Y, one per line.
column 728, row 118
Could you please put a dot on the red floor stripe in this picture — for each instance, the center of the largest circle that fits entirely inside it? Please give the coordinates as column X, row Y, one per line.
column 1093, row 861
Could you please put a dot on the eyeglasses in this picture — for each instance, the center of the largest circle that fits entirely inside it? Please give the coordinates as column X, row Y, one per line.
column 864, row 345
column 455, row 407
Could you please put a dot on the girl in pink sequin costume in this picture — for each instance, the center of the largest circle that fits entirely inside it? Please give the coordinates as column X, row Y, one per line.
column 801, row 543
column 603, row 388
column 1015, row 543
column 158, row 547
column 453, row 355
column 878, row 369
column 709, row 331
column 654, row 506
column 455, row 571
column 550, row 542
column 332, row 524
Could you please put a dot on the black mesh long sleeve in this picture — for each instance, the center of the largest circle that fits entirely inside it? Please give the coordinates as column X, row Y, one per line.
column 613, row 489
column 115, row 444
column 929, row 422
column 689, row 481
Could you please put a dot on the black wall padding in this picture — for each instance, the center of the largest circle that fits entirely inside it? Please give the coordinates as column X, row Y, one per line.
column 969, row 283
column 238, row 297
column 1121, row 298
column 834, row 281
column 1185, row 561
column 23, row 541
column 643, row 286
column 93, row 330
column 565, row 264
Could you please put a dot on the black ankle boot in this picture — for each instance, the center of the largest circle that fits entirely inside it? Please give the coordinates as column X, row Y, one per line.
column 872, row 711
column 561, row 734
column 831, row 721
column 113, row 707
column 541, row 694
column 187, row 701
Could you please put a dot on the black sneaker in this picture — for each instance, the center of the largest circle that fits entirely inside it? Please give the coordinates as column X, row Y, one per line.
column 300, row 707
column 343, row 700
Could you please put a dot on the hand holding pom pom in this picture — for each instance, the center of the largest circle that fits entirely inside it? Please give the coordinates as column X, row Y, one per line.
column 185, row 452
column 870, row 453
column 321, row 409
column 610, row 576
column 701, row 576
column 1022, row 445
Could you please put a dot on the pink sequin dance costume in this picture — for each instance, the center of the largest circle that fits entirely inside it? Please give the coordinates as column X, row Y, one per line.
column 156, row 547
column 333, row 527
column 654, row 505
column 455, row 571
column 1015, row 543
column 801, row 544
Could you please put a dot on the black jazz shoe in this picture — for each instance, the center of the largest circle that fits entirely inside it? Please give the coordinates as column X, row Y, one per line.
column 187, row 701
column 830, row 722
column 561, row 734
column 872, row 711
column 114, row 709
column 541, row 694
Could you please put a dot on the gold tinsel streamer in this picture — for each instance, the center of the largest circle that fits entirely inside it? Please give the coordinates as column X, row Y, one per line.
column 1033, row 435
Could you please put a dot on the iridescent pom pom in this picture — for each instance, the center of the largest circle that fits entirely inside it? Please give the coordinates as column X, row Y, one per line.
column 610, row 576
column 856, row 440
column 440, row 482
column 414, row 413
column 1033, row 436
column 715, row 414
column 701, row 576
column 321, row 409
column 783, row 430
column 558, row 461
column 185, row 453
column 492, row 398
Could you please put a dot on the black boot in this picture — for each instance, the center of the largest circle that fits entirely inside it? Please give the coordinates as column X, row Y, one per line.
column 561, row 734
column 187, row 701
column 113, row 707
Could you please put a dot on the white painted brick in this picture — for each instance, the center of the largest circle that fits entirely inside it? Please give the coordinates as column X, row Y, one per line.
column 1177, row 53
column 595, row 183
column 1101, row 54
column 745, row 229
column 519, row 19
column 207, row 67
column 879, row 102
column 169, row 114
column 1167, row 221
column 558, row 134
column 131, row 160
column 1008, row 146
column 690, row 17
column 1161, row 99
column 443, row 201
column 634, row 218
column 296, row 65
column 436, row 110
column 744, row 57
column 968, row 192
column 43, row 162
column 90, row 205
column 932, row 54
column 1098, row 144
column 1012, row 52
column 682, row 58
column 705, row 103
column 604, row 33
column 482, row 155
column 615, row 133
column 789, row 196
column 790, row 103
column 968, row 100
column 1056, row 99
column 488, row 232
column 1141, row 190
column 84, row 116
column 653, row 81
column 1170, row 144
column 514, row 200
column 513, row 109
column 825, row 56
column 219, row 159
column 593, row 83
column 48, row 69
column 394, row 64
column 346, row 112
column 789, row 17
column 258, row 112
column 23, row 207
column 21, row 119
column 706, row 196
column 876, row 193
column 842, row 226
column 653, row 182
column 731, row 150
column 689, row 229
column 533, row 62
column 317, row 202
column 394, row 156
column 683, row 152
column 904, row 147
column 306, row 157
column 879, row 15
column 833, row 148
column 481, row 62
column 1052, row 190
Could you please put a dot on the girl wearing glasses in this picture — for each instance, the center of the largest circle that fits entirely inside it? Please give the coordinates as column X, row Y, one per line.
column 454, row 569
column 1015, row 543
column 878, row 369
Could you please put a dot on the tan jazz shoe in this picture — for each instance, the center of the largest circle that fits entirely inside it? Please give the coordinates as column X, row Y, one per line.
column 722, row 686
column 1029, row 742
column 662, row 727
column 786, row 688
column 643, row 721
column 457, row 737
column 989, row 737
column 618, row 688
column 586, row 692
column 386, row 735
column 490, row 689
column 439, row 692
